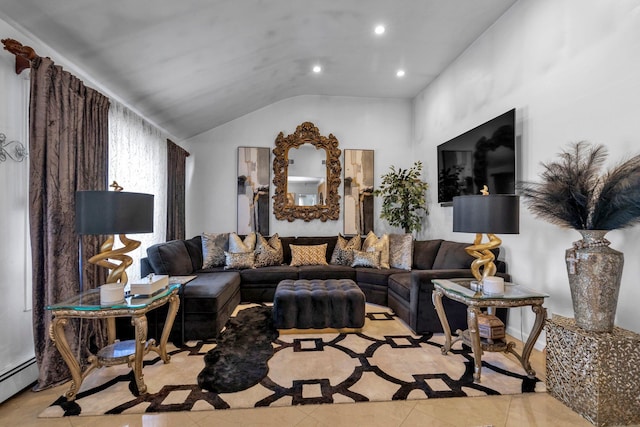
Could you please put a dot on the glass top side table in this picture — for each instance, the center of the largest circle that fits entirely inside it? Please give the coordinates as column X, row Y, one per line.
column 86, row 305
column 513, row 296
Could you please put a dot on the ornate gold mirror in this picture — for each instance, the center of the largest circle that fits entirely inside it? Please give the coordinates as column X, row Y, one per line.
column 306, row 170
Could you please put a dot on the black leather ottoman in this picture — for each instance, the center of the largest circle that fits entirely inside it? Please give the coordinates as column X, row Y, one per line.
column 318, row 304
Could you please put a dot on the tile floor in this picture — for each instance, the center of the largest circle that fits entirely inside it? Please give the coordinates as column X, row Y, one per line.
column 535, row 409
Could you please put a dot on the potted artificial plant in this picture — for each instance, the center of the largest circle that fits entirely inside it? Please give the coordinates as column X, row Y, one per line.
column 404, row 202
column 574, row 194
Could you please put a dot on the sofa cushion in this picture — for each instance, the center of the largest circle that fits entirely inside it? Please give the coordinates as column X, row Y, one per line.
column 424, row 253
column 400, row 283
column 208, row 293
column 170, row 258
column 374, row 275
column 271, row 274
column 401, row 251
column 194, row 247
column 453, row 255
column 324, row 272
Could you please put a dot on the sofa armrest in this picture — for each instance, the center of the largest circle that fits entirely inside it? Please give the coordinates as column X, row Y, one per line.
column 145, row 267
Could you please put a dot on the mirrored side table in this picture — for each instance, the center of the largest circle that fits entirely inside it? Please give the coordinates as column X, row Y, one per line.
column 86, row 305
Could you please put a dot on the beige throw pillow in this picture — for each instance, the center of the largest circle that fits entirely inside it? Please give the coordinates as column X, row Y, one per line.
column 237, row 245
column 308, row 255
column 374, row 244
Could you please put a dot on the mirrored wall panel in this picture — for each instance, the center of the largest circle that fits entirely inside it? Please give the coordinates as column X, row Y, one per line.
column 358, row 192
column 253, row 190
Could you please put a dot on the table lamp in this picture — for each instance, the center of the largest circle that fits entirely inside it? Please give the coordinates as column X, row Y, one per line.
column 110, row 213
column 488, row 214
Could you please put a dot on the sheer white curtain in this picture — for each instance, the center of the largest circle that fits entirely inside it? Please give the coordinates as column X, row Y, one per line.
column 138, row 162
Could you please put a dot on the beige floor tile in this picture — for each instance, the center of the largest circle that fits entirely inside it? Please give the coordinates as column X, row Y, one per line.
column 542, row 409
column 362, row 414
column 467, row 411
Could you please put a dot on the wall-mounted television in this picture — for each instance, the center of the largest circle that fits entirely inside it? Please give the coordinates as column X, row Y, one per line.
column 485, row 155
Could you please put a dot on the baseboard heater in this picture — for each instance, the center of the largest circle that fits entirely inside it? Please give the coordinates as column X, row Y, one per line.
column 18, row 378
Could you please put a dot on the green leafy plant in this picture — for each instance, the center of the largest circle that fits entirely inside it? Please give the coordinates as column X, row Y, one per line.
column 574, row 194
column 404, row 202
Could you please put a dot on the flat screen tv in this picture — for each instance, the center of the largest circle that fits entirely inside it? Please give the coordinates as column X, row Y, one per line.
column 485, row 155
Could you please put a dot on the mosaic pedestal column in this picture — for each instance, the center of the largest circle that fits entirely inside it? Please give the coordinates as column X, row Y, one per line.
column 597, row 374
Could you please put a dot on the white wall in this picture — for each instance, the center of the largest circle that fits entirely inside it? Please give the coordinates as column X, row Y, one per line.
column 570, row 68
column 17, row 362
column 383, row 125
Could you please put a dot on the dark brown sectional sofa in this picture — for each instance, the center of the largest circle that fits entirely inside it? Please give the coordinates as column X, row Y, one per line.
column 208, row 301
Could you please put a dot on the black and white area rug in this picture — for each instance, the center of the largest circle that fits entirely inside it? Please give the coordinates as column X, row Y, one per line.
column 251, row 365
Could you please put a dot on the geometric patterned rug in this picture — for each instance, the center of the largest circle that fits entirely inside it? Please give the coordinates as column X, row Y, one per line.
column 383, row 362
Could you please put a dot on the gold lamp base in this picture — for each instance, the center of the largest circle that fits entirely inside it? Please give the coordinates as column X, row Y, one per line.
column 117, row 272
column 483, row 265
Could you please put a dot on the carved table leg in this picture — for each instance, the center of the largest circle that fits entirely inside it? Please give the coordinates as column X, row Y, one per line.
column 436, row 297
column 474, row 337
column 161, row 349
column 56, row 332
column 140, row 326
column 541, row 315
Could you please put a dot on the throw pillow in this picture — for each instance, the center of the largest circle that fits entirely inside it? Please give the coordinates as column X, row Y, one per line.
column 308, row 255
column 268, row 252
column 343, row 252
column 366, row 259
column 401, row 251
column 236, row 244
column 213, row 247
column 239, row 260
column 374, row 244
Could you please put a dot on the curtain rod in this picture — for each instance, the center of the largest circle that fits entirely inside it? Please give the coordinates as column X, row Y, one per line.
column 24, row 54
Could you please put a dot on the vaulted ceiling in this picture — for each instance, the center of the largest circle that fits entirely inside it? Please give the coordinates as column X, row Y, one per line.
column 191, row 65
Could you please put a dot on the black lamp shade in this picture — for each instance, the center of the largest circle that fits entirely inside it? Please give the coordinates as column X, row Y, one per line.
column 493, row 214
column 113, row 212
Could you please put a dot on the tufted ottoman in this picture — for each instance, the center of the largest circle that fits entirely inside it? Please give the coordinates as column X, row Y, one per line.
column 318, row 304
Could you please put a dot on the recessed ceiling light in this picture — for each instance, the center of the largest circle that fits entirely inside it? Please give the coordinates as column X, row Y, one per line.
column 317, row 68
column 400, row 73
column 379, row 29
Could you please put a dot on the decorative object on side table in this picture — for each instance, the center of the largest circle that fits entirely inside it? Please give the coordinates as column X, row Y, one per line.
column 573, row 194
column 403, row 197
column 110, row 213
column 486, row 214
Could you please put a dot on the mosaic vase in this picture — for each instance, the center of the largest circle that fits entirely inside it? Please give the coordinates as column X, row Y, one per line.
column 595, row 272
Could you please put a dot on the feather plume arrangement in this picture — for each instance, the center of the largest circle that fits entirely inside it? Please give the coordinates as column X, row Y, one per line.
column 575, row 194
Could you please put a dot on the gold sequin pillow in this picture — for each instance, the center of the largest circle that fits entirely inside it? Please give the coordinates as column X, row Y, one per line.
column 237, row 245
column 343, row 252
column 366, row 259
column 213, row 247
column 308, row 255
column 374, row 244
column 239, row 260
column 268, row 252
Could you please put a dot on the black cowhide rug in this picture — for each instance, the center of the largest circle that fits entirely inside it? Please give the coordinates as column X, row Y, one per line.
column 239, row 360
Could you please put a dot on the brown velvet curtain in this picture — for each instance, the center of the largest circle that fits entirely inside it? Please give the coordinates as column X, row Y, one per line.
column 176, row 159
column 68, row 151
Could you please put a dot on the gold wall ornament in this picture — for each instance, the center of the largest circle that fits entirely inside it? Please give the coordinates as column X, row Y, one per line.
column 329, row 209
